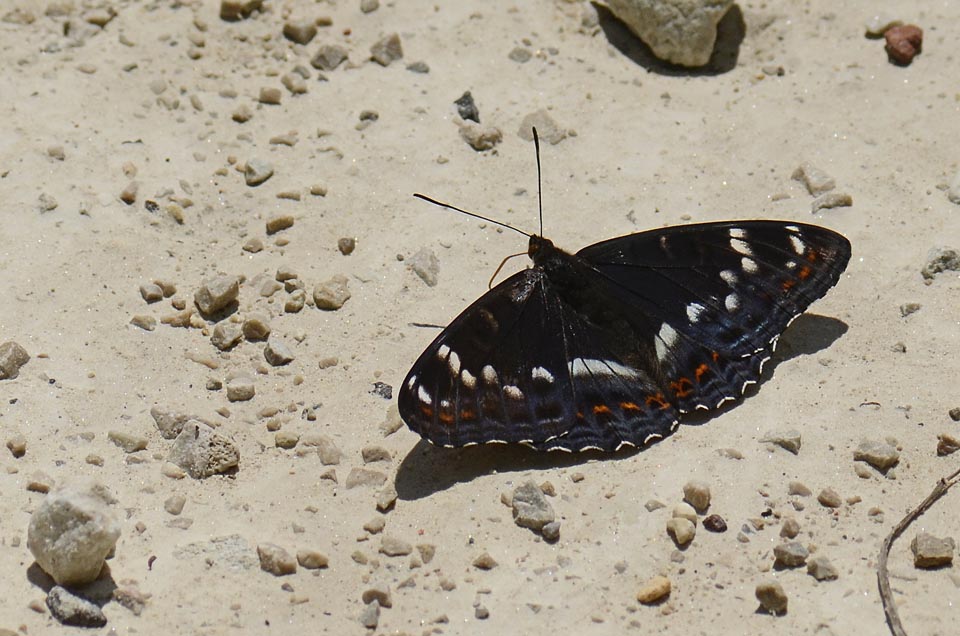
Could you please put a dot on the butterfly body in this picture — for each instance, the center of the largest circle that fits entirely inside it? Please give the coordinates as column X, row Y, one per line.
column 608, row 347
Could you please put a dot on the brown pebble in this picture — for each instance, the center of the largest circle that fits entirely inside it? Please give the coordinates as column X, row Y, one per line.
column 654, row 590
column 346, row 245
column 715, row 523
column 278, row 223
column 829, row 498
column 485, row 562
column 772, row 598
column 903, row 43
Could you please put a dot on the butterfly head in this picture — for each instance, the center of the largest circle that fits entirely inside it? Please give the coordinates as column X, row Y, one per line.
column 539, row 248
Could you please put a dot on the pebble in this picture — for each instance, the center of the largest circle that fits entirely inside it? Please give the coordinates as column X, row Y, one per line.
column 56, row 152
column 654, row 504
column 820, row 568
column 12, row 359
column 790, row 528
column 295, row 302
column 880, row 455
column 72, row 610
column 226, row 335
column 954, row 414
column 143, row 321
column 40, row 482
column 128, row 442
column 904, row 42
column 379, row 592
column 654, row 590
column 257, row 171
column 216, row 294
column 418, row 67
column 256, row 327
column 682, row 530
column 394, row 546
column 946, row 444
column 467, row 108
column 387, row 498
column 331, row 295
column 241, row 389
column 17, row 445
column 151, row 293
column 280, row 222
column 551, row 531
column 425, row 265
column 530, row 508
column 129, row 194
column 365, row 477
column 242, row 114
column 831, row 200
column 130, row 597
column 233, row 10
column 772, row 598
column 485, row 562
column 203, row 452
column 374, row 453
column 697, row 494
column 816, row 181
column 370, row 615
column 174, row 504
column 286, row 439
column 909, row 308
column 346, row 245
column 788, row 440
column 275, row 560
column 939, row 259
column 480, row 137
column 300, row 31
column 685, row 511
column 798, row 488
column 375, row 525
column 277, row 353
column 715, row 523
column 72, row 532
column 877, row 25
column 932, row 552
column 547, row 128
column 481, row 612
column 312, row 559
column 369, row 6
column 520, row 55
column 790, row 555
column 829, row 498
column 296, row 84
column 169, row 423
column 387, row 50
column 330, row 454
column 328, row 57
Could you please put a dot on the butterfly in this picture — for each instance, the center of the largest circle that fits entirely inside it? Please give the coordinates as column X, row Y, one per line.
column 610, row 346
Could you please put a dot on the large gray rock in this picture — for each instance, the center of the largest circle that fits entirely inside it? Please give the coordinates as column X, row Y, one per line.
column 678, row 31
column 530, row 508
column 72, row 532
column 12, row 357
column 72, row 610
column 203, row 452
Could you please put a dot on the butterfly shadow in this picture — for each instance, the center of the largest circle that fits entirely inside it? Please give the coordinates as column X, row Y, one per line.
column 428, row 469
column 730, row 33
column 807, row 335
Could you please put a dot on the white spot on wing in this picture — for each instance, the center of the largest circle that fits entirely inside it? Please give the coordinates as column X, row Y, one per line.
column 693, row 312
column 468, row 380
column 651, row 437
column 512, row 392
column 792, row 228
column 737, row 232
column 741, row 247
column 454, row 362
column 797, row 244
column 424, row 396
column 731, row 302
column 489, row 375
column 665, row 339
column 791, row 264
column 580, row 367
column 443, row 352
column 411, row 382
column 729, row 276
column 749, row 265
column 539, row 373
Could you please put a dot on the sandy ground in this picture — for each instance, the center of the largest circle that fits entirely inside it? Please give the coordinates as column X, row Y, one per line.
column 652, row 146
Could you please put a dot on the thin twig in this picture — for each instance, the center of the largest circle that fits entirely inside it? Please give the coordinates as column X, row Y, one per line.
column 883, row 577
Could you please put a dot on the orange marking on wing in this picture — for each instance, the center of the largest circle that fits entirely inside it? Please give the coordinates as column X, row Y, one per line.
column 715, row 356
column 657, row 400
column 702, row 370
column 804, row 272
column 468, row 415
column 426, row 410
column 788, row 285
column 601, row 409
column 579, row 415
column 629, row 406
column 682, row 387
column 446, row 418
column 812, row 256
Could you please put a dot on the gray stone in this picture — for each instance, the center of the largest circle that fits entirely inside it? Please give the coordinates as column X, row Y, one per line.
column 480, row 137
column 277, row 353
column 547, row 129
column 520, row 54
column 789, row 440
column 300, row 31
column 551, row 531
column 72, row 610
column 799, row 488
column 331, row 295
column 790, row 528
column 880, row 455
column 773, row 599
column 12, row 358
column 365, row 477
column 330, row 454
column 790, row 555
column 387, row 50
column 370, row 615
column 387, row 498
column 174, row 504
column 169, row 423
column 932, row 552
column 72, row 532
column 257, row 171
column 256, row 327
column 241, row 389
column 216, row 294
column 151, row 293
column 275, row 560
column 329, row 57
column 530, row 508
column 678, row 31
column 817, row 181
column 697, row 494
column 226, row 335
column 394, row 546
column 369, row 6
column 820, row 568
column 425, row 265
column 940, row 259
column 128, row 442
column 203, row 452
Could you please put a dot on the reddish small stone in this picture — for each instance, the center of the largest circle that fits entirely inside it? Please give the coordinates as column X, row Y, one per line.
column 903, row 43
column 715, row 523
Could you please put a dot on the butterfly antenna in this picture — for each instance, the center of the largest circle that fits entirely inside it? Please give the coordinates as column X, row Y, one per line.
column 502, row 263
column 536, row 145
column 473, row 214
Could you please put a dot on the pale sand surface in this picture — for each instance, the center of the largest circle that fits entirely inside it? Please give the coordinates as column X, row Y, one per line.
column 652, row 147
